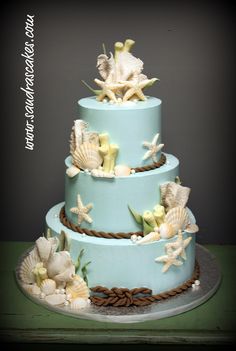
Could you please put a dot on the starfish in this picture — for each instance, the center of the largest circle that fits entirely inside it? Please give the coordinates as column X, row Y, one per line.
column 153, row 148
column 170, row 259
column 108, row 89
column 82, row 211
column 180, row 243
column 135, row 88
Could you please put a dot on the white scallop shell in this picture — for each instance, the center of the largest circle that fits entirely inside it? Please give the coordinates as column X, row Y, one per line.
column 25, row 271
column 77, row 288
column 87, row 156
column 48, row 286
column 79, row 303
column 122, row 170
column 178, row 218
column 32, row 289
column 55, row 299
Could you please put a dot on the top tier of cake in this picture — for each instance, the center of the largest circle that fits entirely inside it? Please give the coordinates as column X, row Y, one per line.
column 128, row 125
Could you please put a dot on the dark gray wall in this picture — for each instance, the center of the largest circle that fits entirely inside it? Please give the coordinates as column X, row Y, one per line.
column 189, row 47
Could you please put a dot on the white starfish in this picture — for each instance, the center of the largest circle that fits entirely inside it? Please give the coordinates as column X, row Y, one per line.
column 108, row 89
column 180, row 243
column 135, row 88
column 82, row 211
column 153, row 148
column 170, row 259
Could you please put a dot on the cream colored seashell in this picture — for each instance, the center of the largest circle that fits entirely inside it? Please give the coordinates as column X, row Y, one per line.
column 174, row 195
column 166, row 231
column 26, row 269
column 32, row 289
column 177, row 218
column 77, row 288
column 91, row 137
column 48, row 286
column 55, row 299
column 72, row 171
column 122, row 170
column 153, row 236
column 87, row 156
column 44, row 247
column 79, row 303
column 60, row 267
column 192, row 228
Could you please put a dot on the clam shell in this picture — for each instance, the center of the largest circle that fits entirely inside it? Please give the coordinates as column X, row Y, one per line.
column 25, row 271
column 44, row 247
column 87, row 156
column 122, row 170
column 77, row 288
column 55, row 299
column 79, row 303
column 166, row 231
column 48, row 286
column 178, row 218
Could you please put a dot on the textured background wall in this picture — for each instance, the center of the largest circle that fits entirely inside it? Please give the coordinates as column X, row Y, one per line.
column 189, row 47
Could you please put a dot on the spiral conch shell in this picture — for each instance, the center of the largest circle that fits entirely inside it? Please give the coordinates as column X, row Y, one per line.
column 26, row 269
column 77, row 288
column 87, row 156
column 177, row 218
column 60, row 267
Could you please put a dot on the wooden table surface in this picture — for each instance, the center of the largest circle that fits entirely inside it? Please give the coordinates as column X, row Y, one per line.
column 24, row 321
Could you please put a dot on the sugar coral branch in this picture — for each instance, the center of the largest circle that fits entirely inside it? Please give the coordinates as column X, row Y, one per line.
column 108, row 152
column 149, row 218
column 118, row 49
column 129, row 43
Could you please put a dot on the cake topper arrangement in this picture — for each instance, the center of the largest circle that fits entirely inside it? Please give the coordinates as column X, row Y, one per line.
column 122, row 75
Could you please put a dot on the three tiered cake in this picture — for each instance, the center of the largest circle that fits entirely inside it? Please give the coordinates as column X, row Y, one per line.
column 124, row 235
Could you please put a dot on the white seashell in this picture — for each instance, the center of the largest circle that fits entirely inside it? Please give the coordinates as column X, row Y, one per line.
column 128, row 66
column 72, row 171
column 153, row 236
column 177, row 217
column 79, row 303
column 192, row 228
column 91, row 137
column 197, row 282
column 174, row 195
column 77, row 288
column 122, row 170
column 25, row 271
column 57, row 291
column 44, row 247
column 32, row 289
column 87, row 156
column 55, row 299
column 48, row 286
column 60, row 267
column 166, row 231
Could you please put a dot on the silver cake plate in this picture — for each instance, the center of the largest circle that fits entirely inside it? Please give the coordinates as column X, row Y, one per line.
column 210, row 278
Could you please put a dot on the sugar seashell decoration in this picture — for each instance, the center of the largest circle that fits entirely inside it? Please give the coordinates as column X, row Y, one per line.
column 122, row 170
column 177, row 218
column 44, row 247
column 26, row 269
column 153, row 236
column 55, row 299
column 60, row 267
column 77, row 288
column 87, row 156
column 48, row 286
column 174, row 195
column 72, row 171
column 79, row 303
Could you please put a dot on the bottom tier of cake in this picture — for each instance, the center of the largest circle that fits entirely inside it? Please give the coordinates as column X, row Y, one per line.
column 123, row 263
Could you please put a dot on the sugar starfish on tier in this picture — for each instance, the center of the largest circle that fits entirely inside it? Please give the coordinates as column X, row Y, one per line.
column 82, row 211
column 153, row 148
column 170, row 259
column 135, row 88
column 180, row 243
column 108, row 89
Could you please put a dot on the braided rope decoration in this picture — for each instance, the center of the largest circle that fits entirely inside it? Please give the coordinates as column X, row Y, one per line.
column 155, row 165
column 108, row 235
column 122, row 297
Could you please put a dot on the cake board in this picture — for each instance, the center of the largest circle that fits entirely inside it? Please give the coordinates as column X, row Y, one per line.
column 210, row 278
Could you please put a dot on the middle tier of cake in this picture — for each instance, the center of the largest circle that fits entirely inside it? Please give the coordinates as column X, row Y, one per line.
column 111, row 198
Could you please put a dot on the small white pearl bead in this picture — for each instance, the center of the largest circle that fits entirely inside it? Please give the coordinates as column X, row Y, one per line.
column 111, row 102
column 119, row 100
column 62, row 291
column 139, row 238
column 57, row 291
column 134, row 237
column 132, row 171
column 66, row 303
column 104, row 100
column 197, row 282
column 193, row 285
column 68, row 296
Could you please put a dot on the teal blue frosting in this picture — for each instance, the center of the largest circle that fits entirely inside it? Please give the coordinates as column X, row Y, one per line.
column 128, row 125
column 111, row 197
column 119, row 262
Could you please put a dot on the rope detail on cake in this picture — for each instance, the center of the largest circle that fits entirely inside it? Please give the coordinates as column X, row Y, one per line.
column 155, row 165
column 119, row 297
column 108, row 235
